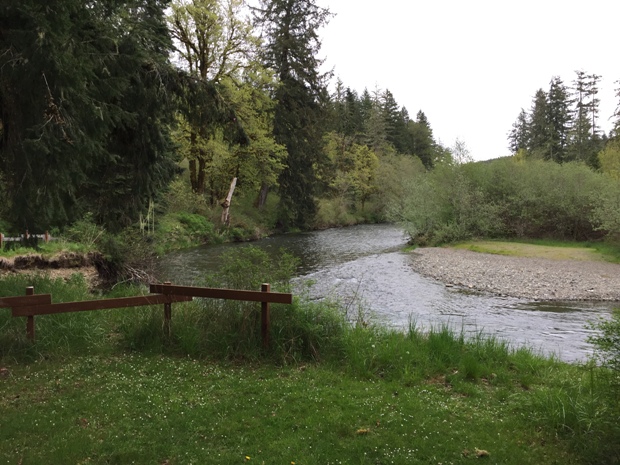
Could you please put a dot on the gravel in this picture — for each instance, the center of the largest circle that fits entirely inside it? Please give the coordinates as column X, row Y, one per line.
column 528, row 278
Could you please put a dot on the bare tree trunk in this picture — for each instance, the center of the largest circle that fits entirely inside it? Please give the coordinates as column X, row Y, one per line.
column 226, row 203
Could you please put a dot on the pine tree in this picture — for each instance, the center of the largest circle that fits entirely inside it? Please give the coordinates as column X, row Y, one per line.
column 290, row 28
column 585, row 141
column 539, row 129
column 84, row 109
column 518, row 138
column 559, row 120
column 422, row 143
column 616, row 129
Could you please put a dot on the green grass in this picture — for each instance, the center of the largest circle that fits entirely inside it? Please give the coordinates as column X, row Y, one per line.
column 133, row 408
column 546, row 248
column 109, row 387
column 48, row 249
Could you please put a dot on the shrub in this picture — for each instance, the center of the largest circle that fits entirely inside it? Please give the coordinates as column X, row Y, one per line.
column 510, row 198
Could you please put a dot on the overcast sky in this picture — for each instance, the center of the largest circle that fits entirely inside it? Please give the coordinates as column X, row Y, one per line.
column 471, row 65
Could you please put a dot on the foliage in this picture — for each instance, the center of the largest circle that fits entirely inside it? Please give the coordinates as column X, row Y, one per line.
column 509, row 198
column 85, row 107
column 290, row 29
column 607, row 342
column 609, row 158
column 215, row 45
column 85, row 231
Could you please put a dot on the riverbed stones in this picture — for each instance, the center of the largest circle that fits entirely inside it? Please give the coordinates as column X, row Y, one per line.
column 522, row 277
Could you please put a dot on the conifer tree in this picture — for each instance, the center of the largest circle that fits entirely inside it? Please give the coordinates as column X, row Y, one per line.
column 291, row 46
column 539, row 130
column 84, row 107
column 559, row 120
column 518, row 138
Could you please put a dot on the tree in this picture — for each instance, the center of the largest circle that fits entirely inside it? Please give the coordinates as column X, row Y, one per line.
column 213, row 43
column 422, row 144
column 85, row 105
column 352, row 169
column 395, row 121
column 539, row 130
column 616, row 115
column 290, row 29
column 518, row 138
column 609, row 158
column 558, row 119
column 585, row 141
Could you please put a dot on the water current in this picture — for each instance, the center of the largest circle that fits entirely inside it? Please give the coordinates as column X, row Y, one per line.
column 366, row 268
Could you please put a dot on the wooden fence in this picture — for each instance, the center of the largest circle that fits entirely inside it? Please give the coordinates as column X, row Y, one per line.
column 46, row 237
column 33, row 304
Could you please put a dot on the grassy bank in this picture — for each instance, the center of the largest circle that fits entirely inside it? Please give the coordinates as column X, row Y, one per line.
column 109, row 387
column 552, row 249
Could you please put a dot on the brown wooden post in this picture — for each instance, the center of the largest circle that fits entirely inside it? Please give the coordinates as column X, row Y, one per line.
column 1, row 240
column 47, row 237
column 265, row 317
column 167, row 314
column 30, row 322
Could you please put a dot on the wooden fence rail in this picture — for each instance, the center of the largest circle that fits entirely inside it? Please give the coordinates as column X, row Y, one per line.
column 46, row 237
column 33, row 304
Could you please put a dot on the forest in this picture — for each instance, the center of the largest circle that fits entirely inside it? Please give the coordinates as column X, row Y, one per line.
column 117, row 113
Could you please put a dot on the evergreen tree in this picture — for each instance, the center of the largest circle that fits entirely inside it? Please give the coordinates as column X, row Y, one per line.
column 539, row 129
column 559, row 120
column 354, row 117
column 84, row 109
column 291, row 31
column 616, row 129
column 422, row 143
column 395, row 121
column 585, row 141
column 518, row 138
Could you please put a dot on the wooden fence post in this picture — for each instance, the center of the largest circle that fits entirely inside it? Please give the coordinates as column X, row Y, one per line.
column 30, row 321
column 47, row 237
column 265, row 317
column 1, row 240
column 167, row 314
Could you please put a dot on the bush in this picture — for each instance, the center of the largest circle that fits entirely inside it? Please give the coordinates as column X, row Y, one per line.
column 510, row 198
column 607, row 342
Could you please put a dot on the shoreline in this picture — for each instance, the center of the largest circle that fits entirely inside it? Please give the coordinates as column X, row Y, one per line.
column 539, row 279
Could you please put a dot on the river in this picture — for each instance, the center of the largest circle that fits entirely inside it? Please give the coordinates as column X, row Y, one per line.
column 366, row 269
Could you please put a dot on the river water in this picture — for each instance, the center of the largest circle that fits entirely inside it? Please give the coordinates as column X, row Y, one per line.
column 366, row 269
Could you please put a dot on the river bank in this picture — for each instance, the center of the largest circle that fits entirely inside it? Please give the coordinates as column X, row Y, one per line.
column 520, row 277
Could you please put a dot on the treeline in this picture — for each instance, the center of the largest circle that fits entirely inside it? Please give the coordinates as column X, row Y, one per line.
column 563, row 123
column 101, row 102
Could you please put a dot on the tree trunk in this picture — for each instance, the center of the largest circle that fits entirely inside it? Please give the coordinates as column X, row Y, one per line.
column 193, row 175
column 200, row 186
column 226, row 203
column 261, row 200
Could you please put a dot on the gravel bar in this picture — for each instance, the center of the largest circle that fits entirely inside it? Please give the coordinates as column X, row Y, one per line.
column 521, row 277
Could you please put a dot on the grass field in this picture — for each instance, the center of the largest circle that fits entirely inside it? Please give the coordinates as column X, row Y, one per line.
column 108, row 387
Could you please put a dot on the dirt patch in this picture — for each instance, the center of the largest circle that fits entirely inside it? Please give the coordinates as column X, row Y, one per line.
column 62, row 265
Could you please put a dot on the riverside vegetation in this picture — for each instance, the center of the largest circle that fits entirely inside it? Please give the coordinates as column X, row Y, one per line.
column 109, row 387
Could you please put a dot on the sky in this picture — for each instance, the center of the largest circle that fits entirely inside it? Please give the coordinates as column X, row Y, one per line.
column 471, row 65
